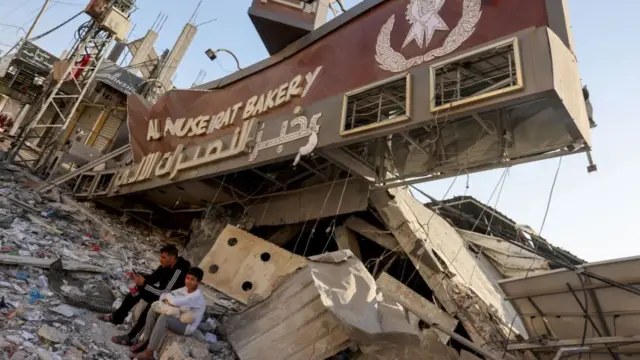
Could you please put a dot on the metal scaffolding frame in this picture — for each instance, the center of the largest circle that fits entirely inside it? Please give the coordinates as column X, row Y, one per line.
column 65, row 96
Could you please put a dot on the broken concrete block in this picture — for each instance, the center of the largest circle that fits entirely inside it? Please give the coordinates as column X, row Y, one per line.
column 64, row 310
column 178, row 347
column 14, row 339
column 52, row 334
column 73, row 354
column 6, row 221
column 295, row 304
column 44, row 355
column 20, row 355
column 78, row 345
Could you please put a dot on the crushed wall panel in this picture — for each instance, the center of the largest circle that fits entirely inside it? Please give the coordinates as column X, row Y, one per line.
column 292, row 324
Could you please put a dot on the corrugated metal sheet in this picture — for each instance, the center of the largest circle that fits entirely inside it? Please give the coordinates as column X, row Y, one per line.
column 553, row 305
column 109, row 130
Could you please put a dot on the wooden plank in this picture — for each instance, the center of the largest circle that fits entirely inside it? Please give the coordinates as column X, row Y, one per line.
column 46, row 263
column 246, row 267
column 347, row 240
column 381, row 237
column 412, row 301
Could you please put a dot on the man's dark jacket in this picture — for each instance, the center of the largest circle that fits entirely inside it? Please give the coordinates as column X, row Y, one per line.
column 163, row 280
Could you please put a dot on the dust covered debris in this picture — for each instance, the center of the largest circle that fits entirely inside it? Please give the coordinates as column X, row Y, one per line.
column 35, row 231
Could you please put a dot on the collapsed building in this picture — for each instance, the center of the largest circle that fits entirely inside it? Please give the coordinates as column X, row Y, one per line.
column 291, row 176
column 22, row 79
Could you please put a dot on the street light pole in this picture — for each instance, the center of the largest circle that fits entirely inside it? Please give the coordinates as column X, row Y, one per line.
column 212, row 54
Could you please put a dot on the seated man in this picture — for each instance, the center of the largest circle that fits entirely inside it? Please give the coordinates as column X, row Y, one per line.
column 168, row 276
column 189, row 298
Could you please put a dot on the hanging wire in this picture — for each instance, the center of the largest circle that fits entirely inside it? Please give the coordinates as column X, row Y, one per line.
column 333, row 222
column 335, row 179
column 546, row 210
column 495, row 206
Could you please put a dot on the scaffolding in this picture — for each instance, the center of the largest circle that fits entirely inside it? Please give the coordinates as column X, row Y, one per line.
column 43, row 136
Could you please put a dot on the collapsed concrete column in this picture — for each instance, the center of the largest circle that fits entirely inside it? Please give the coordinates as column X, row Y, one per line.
column 447, row 266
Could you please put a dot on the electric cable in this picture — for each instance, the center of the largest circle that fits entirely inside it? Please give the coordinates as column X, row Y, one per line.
column 31, row 17
column 67, row 3
column 546, row 211
column 333, row 222
column 504, row 180
column 56, row 27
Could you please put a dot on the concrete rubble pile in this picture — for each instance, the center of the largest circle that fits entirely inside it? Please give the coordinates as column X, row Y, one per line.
column 97, row 249
column 349, row 298
column 265, row 302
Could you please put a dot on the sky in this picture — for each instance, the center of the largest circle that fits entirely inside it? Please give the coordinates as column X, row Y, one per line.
column 591, row 215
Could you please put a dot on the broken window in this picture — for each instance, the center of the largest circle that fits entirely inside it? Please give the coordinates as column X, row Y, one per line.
column 104, row 182
column 470, row 77
column 377, row 105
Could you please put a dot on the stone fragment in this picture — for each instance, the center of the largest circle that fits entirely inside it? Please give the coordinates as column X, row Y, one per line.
column 6, row 221
column 52, row 334
column 44, row 355
column 64, row 310
column 78, row 345
column 73, row 353
column 14, row 339
column 179, row 347
column 21, row 355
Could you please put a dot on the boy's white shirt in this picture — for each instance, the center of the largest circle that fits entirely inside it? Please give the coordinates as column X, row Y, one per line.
column 194, row 301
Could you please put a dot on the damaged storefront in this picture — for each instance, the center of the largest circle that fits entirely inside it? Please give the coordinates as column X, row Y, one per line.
column 290, row 184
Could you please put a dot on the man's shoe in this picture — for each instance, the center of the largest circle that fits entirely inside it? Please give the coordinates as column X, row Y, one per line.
column 139, row 347
column 123, row 340
column 106, row 318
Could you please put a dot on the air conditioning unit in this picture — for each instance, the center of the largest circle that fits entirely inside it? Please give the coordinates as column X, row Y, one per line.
column 117, row 23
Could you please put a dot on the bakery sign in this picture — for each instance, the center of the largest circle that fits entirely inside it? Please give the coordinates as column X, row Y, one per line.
column 247, row 139
column 255, row 106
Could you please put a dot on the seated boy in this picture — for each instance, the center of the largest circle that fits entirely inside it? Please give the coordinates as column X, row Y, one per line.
column 187, row 297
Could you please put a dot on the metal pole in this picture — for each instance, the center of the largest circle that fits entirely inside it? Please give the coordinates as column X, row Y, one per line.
column 37, row 20
column 233, row 55
column 20, row 43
